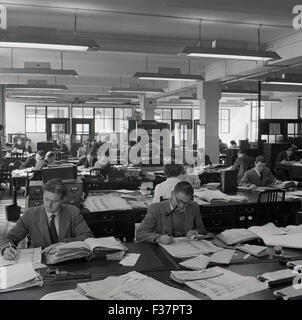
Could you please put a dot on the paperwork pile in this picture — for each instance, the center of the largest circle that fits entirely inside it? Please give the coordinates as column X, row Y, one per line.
column 235, row 236
column 217, row 197
column 82, row 249
column 105, row 202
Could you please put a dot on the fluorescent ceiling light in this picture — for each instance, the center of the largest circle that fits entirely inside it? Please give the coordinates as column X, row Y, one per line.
column 167, row 76
column 136, row 90
column 57, row 72
column 117, row 97
column 229, row 53
column 263, row 100
column 32, row 96
column 75, row 45
column 43, row 87
column 105, row 102
column 289, row 82
column 239, row 92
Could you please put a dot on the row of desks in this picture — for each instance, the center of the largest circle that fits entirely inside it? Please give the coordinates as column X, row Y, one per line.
column 154, row 261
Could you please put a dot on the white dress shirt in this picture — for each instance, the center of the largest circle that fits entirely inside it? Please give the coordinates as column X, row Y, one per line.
column 165, row 189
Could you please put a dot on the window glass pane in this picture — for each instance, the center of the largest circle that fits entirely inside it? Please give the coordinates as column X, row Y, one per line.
column 30, row 124
column 88, row 112
column 196, row 113
column 291, row 128
column 119, row 113
column 157, row 117
column 86, row 128
column 77, row 112
column 166, row 114
column 158, row 114
column 108, row 113
column 187, row 114
column 40, row 125
column 177, row 114
column 119, row 125
column 40, row 112
column 225, row 126
column 99, row 125
column 127, row 113
column 79, row 128
column 30, row 112
column 99, row 113
column 63, row 112
column 109, row 125
column 52, row 112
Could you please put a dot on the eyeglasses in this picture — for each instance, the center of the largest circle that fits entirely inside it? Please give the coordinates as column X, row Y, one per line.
column 179, row 201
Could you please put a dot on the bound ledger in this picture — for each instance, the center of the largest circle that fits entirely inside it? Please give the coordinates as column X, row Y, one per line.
column 82, row 249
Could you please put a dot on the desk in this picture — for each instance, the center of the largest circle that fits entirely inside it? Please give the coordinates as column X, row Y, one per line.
column 152, row 262
column 292, row 171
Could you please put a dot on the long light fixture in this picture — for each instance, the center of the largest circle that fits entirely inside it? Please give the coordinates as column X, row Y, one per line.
column 167, row 76
column 46, row 87
column 229, row 53
column 106, row 102
column 117, row 97
column 136, row 90
column 263, row 99
column 57, row 72
column 67, row 45
column 281, row 81
column 226, row 92
column 34, row 96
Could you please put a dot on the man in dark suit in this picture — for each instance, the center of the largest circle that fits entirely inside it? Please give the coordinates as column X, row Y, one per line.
column 47, row 224
column 32, row 161
column 243, row 163
column 259, row 176
column 176, row 217
column 88, row 161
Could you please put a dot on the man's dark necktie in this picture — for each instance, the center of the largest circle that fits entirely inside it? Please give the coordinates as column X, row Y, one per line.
column 52, row 230
column 260, row 176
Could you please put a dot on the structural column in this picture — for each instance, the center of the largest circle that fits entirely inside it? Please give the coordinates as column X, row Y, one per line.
column 2, row 105
column 209, row 94
column 148, row 105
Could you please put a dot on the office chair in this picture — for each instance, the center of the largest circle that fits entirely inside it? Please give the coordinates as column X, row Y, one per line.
column 273, row 211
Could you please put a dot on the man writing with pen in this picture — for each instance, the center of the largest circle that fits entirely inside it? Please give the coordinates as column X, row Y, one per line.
column 175, row 217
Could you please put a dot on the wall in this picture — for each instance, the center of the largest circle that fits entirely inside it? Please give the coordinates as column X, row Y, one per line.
column 287, row 109
column 239, row 124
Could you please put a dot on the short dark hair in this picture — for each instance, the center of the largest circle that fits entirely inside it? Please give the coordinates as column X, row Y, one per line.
column 184, row 187
column 41, row 153
column 241, row 151
column 56, row 186
column 233, row 142
column 173, row 170
column 260, row 159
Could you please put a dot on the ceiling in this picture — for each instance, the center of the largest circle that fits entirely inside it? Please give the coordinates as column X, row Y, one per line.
column 139, row 35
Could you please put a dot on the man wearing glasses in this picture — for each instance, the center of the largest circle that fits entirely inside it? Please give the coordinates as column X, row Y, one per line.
column 176, row 217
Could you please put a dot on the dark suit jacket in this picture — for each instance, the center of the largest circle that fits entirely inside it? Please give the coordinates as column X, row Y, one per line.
column 243, row 164
column 87, row 164
column 251, row 177
column 29, row 163
column 34, row 223
column 158, row 221
column 283, row 156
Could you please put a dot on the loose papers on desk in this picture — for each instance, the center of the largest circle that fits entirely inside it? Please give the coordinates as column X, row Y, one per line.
column 289, row 293
column 183, row 276
column 183, row 248
column 217, row 197
column 234, row 236
column 198, row 263
column 227, row 286
column 130, row 259
column 105, row 202
column 278, row 277
column 132, row 286
column 65, row 295
column 18, row 276
column 81, row 249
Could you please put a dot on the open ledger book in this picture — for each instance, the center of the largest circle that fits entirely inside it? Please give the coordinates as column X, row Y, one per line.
column 19, row 276
column 217, row 197
column 82, row 249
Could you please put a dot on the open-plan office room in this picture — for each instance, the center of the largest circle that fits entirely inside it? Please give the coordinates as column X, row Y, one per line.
column 150, row 150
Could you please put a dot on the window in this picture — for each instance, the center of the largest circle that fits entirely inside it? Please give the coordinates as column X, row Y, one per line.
column 254, row 118
column 82, row 113
column 35, row 119
column 224, row 120
column 57, row 112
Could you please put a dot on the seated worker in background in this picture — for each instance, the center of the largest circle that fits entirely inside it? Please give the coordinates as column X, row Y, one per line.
column 19, row 145
column 233, row 144
column 62, row 147
column 49, row 159
column 174, row 174
column 83, row 150
column 191, row 176
column 178, row 216
column 88, row 161
column 259, row 176
column 243, row 163
column 103, row 163
column 223, row 148
column 47, row 224
column 94, row 146
column 32, row 161
column 287, row 156
column 27, row 147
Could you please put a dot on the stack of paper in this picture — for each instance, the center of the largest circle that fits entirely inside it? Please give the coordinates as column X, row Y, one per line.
column 234, row 236
column 289, row 293
column 218, row 197
column 132, row 286
column 105, row 202
column 227, row 286
column 65, row 295
column 184, row 248
column 198, row 263
column 18, row 276
column 278, row 277
column 183, row 276
column 222, row 257
column 254, row 250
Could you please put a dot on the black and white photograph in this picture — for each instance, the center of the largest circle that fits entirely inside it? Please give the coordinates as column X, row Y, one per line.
column 150, row 153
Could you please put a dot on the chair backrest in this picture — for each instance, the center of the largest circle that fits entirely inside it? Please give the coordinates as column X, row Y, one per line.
column 271, row 196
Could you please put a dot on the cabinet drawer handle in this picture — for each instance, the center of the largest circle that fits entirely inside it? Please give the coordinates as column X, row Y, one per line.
column 250, row 218
column 241, row 218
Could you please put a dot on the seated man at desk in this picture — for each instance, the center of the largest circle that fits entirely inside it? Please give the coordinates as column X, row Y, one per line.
column 32, row 161
column 177, row 217
column 259, row 176
column 49, row 159
column 27, row 146
column 287, row 156
column 62, row 147
column 88, row 161
column 191, row 176
column 243, row 163
column 174, row 174
column 47, row 224
column 19, row 146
